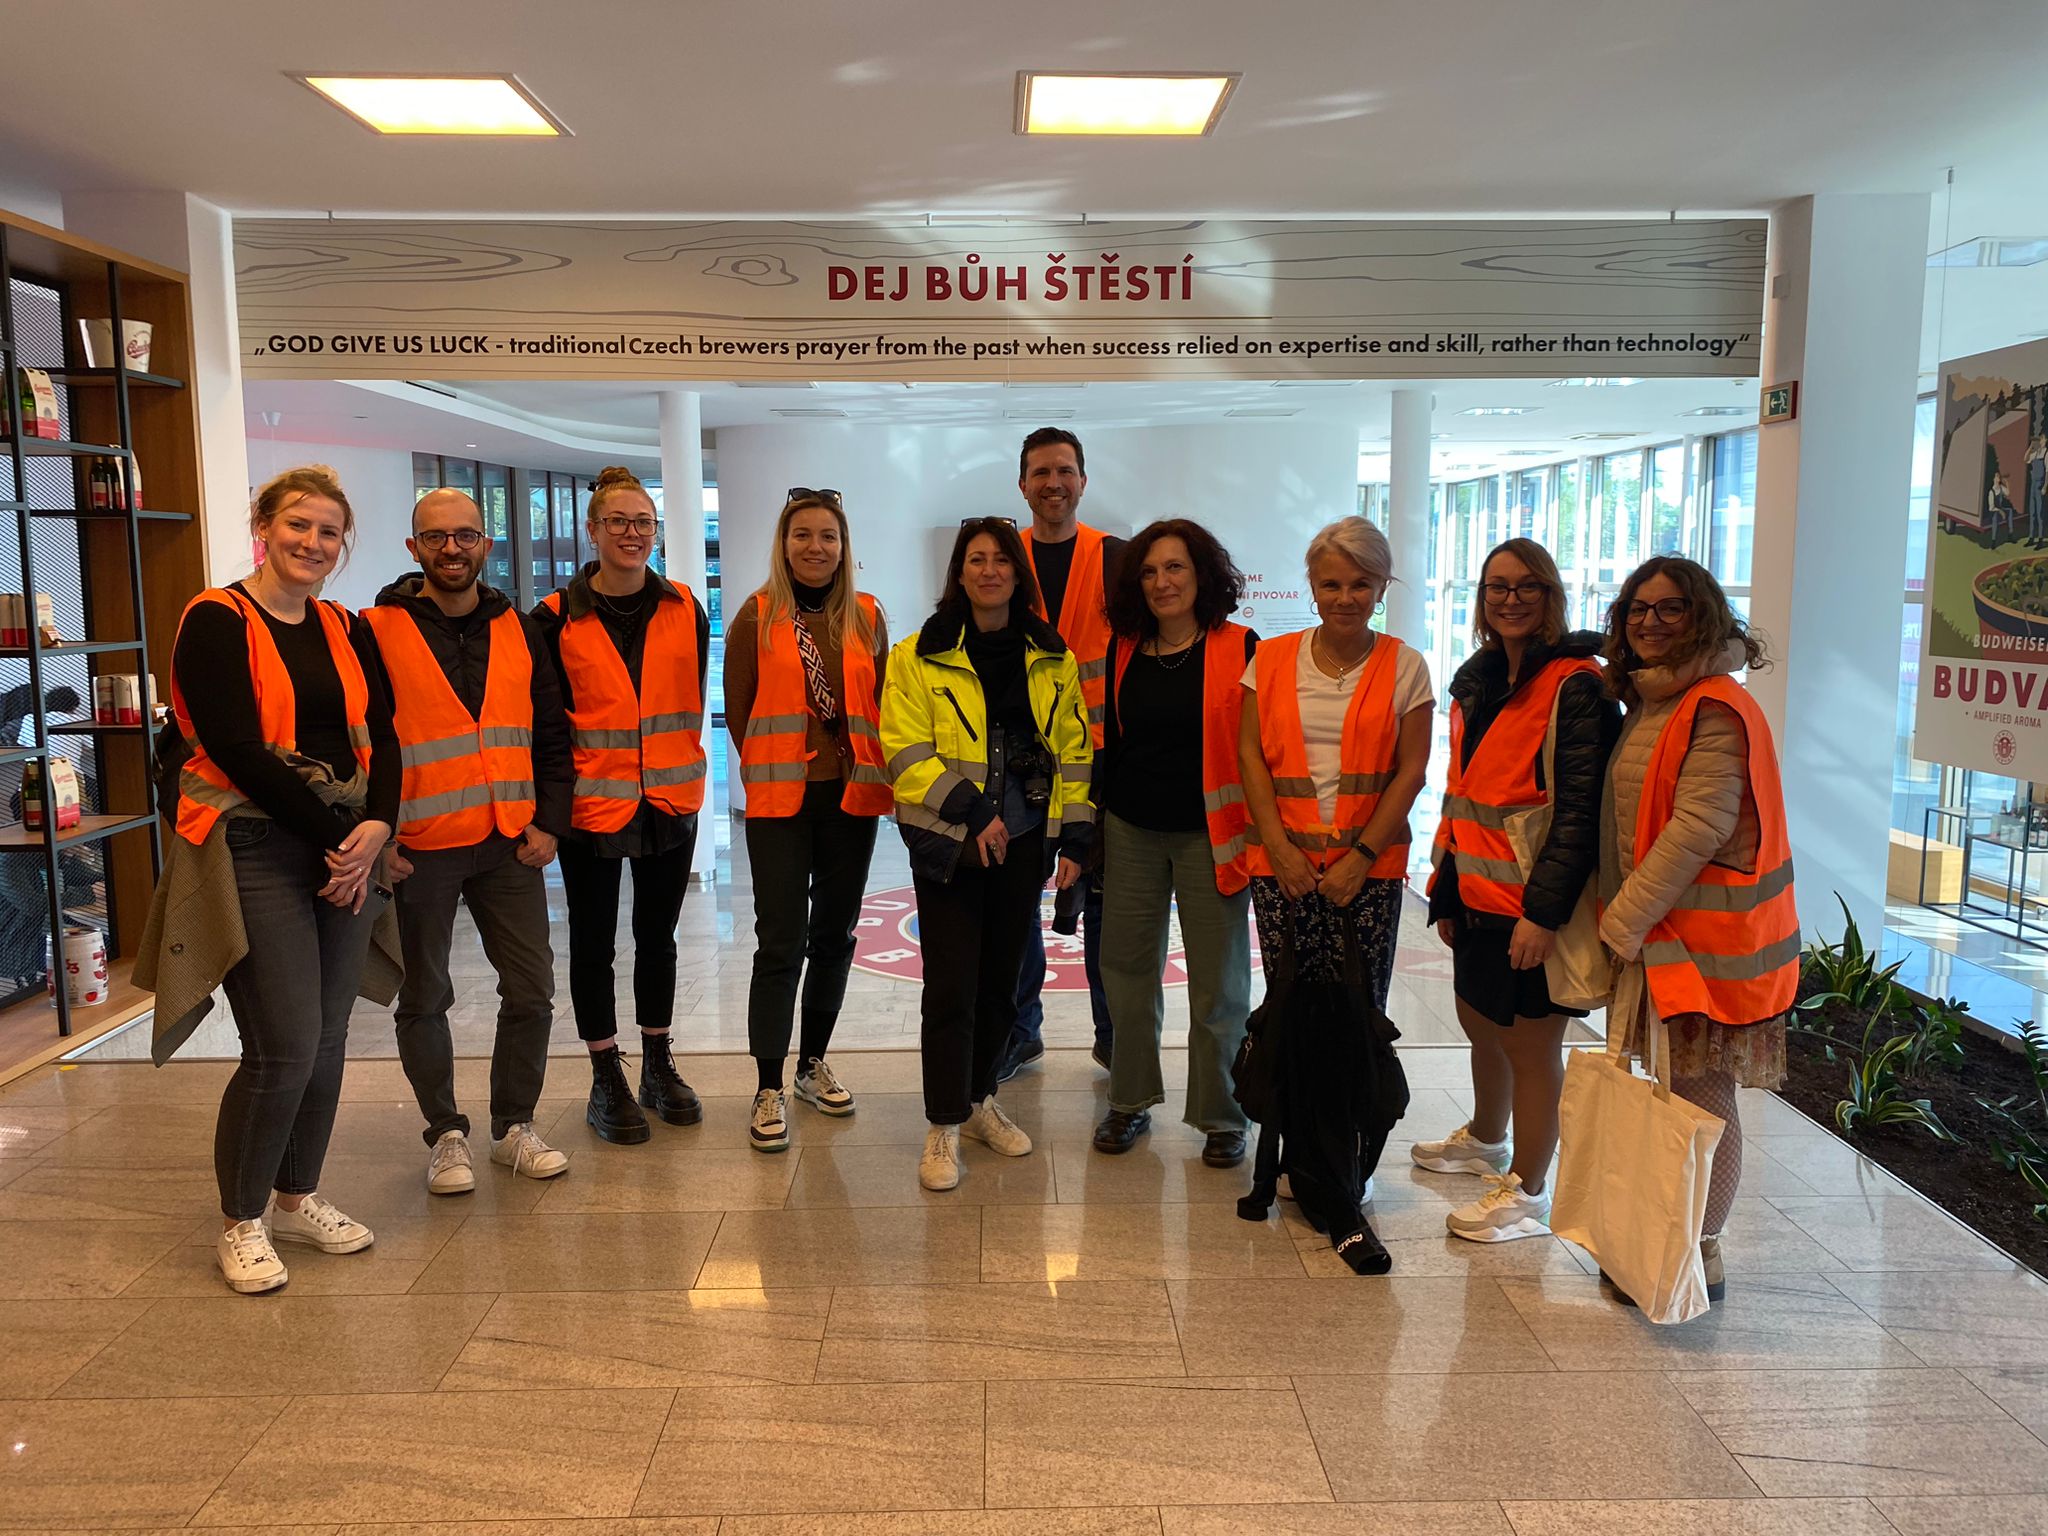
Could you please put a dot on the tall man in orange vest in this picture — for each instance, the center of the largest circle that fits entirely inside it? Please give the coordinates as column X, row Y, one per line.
column 487, row 791
column 1075, row 565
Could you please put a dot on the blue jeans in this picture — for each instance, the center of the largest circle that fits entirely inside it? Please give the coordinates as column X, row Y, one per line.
column 291, row 996
column 1030, row 1025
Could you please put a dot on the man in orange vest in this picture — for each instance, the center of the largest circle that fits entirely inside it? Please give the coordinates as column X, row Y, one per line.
column 1075, row 565
column 487, row 790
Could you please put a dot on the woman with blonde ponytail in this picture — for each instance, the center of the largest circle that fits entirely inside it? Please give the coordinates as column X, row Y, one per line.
column 632, row 648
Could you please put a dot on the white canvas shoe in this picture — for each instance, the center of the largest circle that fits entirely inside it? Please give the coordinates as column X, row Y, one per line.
column 522, row 1150
column 1462, row 1152
column 450, row 1171
column 996, row 1130
column 247, row 1261
column 1502, row 1214
column 939, row 1167
column 317, row 1224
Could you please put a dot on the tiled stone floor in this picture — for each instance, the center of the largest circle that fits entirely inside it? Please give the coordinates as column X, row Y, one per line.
column 687, row 1337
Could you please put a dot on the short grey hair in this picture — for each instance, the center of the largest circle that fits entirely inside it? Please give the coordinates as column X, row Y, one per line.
column 1358, row 540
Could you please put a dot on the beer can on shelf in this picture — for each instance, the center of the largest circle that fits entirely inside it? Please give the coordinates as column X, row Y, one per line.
column 85, row 967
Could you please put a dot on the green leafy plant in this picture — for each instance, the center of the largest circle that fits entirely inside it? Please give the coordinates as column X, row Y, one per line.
column 1878, row 1096
column 1848, row 972
column 2021, row 1143
column 1937, row 1036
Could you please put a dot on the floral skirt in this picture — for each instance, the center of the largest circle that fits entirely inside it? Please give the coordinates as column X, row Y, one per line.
column 1316, row 941
column 1753, row 1054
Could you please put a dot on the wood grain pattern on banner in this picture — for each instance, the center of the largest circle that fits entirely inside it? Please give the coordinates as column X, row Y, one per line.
column 1022, row 301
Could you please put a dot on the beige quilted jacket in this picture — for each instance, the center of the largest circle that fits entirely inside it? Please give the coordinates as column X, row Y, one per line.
column 1714, row 821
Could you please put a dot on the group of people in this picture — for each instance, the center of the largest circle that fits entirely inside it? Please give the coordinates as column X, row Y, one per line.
column 1078, row 710
column 2002, row 518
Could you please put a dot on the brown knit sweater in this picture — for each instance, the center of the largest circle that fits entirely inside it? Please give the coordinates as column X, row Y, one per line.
column 831, row 751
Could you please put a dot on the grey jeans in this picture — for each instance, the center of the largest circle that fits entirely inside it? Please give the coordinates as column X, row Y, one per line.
column 1144, row 874
column 509, row 903
column 291, row 996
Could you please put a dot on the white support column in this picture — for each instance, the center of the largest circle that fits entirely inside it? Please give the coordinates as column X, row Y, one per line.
column 682, row 509
column 1408, row 518
column 1847, row 275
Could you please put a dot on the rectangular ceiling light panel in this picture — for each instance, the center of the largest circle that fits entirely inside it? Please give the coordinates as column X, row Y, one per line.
column 477, row 105
column 1123, row 105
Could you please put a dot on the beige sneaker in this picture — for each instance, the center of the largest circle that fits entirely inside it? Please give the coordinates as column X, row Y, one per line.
column 450, row 1172
column 247, row 1261
column 990, row 1126
column 1710, row 1261
column 939, row 1168
column 522, row 1150
column 317, row 1224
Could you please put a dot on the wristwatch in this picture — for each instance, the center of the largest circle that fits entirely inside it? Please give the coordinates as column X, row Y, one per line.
column 1365, row 852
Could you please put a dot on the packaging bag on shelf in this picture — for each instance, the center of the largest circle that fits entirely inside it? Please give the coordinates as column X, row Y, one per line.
column 38, row 404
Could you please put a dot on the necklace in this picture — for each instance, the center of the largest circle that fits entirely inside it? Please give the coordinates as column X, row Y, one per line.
column 1180, row 657
column 619, row 609
column 1343, row 668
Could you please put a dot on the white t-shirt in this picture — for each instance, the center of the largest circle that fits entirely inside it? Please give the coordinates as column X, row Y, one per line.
column 1325, row 702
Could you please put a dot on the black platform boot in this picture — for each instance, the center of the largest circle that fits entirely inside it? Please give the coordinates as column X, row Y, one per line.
column 612, row 1113
column 662, row 1088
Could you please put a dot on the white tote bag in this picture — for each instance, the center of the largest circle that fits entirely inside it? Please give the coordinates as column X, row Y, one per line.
column 1633, row 1166
column 1577, row 971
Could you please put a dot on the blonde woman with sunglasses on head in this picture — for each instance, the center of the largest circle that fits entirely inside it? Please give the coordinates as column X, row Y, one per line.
column 804, row 662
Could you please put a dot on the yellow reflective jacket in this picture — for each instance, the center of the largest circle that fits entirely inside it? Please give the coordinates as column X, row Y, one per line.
column 935, row 739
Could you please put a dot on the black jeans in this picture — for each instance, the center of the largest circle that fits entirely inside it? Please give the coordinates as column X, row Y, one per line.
column 1030, row 1023
column 592, row 884
column 971, row 931
column 509, row 903
column 810, row 873
column 291, row 996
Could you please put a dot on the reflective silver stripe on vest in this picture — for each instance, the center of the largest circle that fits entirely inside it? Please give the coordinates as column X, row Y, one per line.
column 505, row 736
column 607, row 740
column 918, row 816
column 1295, row 789
column 1494, row 817
column 917, row 752
column 941, row 787
column 1224, row 853
column 864, row 774
column 1501, row 871
column 772, row 773
column 1095, row 715
column 776, row 725
column 1076, row 773
column 1736, row 898
column 678, row 720
column 359, row 737
column 1214, row 800
column 420, row 754
column 1751, row 967
column 1091, row 670
column 465, row 798
column 197, row 790
column 1363, row 783
column 607, row 789
column 861, row 725
column 688, row 773
column 1077, row 811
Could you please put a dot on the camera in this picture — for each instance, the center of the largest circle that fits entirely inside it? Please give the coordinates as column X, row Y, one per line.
column 1031, row 768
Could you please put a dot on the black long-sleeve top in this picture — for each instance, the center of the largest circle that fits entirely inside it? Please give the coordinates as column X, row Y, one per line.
column 211, row 662
column 1588, row 723
column 462, row 645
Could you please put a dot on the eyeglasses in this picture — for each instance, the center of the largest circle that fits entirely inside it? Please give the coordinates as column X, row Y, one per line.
column 826, row 497
column 618, row 527
column 1669, row 610
column 1498, row 592
column 434, row 540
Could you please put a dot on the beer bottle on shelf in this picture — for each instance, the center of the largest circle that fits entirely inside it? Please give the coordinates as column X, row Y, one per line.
column 32, row 795
column 99, row 486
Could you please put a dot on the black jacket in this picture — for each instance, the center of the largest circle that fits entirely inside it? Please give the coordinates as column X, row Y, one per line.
column 1588, row 722
column 463, row 648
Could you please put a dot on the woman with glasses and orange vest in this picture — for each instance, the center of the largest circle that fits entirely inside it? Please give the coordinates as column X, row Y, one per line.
column 1334, row 748
column 631, row 649
column 804, row 661
column 1531, row 725
column 286, row 797
column 1695, row 864
column 1173, row 824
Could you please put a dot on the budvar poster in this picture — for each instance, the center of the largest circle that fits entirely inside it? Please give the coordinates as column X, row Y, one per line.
column 1984, row 662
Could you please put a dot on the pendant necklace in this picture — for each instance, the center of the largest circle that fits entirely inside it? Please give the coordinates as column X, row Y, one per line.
column 1343, row 668
column 1180, row 656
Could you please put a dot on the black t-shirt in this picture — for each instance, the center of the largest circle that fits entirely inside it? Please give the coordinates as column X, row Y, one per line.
column 1155, row 778
column 1053, row 563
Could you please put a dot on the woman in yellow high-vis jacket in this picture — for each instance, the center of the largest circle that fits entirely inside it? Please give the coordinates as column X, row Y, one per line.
column 986, row 735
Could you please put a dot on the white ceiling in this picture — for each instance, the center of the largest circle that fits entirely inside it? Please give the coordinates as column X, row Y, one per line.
column 822, row 107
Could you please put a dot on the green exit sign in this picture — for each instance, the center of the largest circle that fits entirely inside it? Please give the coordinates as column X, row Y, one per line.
column 1781, row 403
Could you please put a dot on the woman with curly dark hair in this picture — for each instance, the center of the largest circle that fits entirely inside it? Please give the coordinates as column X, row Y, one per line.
column 1695, row 868
column 1173, row 829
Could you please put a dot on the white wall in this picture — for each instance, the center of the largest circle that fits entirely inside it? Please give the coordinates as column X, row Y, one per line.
column 1262, row 488
column 379, row 486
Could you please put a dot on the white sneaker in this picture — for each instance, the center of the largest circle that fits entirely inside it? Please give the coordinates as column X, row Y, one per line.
column 821, row 1086
column 522, row 1150
column 450, row 1172
column 247, row 1261
column 939, row 1168
column 769, row 1129
column 1462, row 1152
column 989, row 1125
column 317, row 1224
column 1502, row 1214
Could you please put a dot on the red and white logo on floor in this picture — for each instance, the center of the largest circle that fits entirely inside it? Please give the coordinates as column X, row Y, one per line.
column 885, row 943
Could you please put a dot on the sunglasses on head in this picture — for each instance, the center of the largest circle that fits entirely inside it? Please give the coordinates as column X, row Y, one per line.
column 803, row 493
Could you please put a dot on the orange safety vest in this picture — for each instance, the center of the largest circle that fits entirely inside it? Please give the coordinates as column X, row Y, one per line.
column 1730, row 946
column 464, row 777
column 1084, row 618
column 631, row 746
column 773, row 754
column 1222, row 779
column 1366, row 758
column 1500, row 780
column 204, row 792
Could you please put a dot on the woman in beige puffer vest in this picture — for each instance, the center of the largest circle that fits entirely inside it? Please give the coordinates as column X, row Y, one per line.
column 1670, row 628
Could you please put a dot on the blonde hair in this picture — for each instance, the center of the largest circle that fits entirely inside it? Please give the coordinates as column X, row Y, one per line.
column 845, row 620
column 614, row 479
column 1358, row 540
column 1544, row 569
column 294, row 486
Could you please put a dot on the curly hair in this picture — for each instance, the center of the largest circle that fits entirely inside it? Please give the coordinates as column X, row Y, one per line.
column 1219, row 584
column 1715, row 625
